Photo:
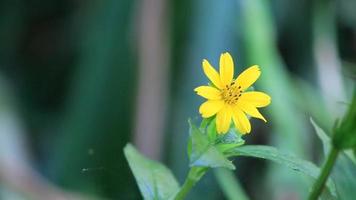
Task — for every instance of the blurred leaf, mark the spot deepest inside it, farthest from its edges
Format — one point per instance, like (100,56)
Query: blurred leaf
(344,136)
(344,174)
(98,105)
(352,156)
(154,179)
(327,142)
(259,31)
(344,171)
(230,185)
(311,102)
(203,153)
(322,136)
(288,160)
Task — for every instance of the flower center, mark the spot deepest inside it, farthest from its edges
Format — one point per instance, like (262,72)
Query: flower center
(231,93)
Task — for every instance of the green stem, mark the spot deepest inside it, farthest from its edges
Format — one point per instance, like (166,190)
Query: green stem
(187,186)
(193,177)
(323,177)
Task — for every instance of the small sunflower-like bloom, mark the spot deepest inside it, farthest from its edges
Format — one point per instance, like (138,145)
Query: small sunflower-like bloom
(227,98)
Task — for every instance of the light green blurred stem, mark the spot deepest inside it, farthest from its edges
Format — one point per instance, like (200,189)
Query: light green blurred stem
(260,42)
(288,124)
(326,55)
(230,185)
(323,177)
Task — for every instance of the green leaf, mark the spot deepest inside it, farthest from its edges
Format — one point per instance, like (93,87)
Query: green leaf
(325,139)
(154,180)
(228,141)
(189,148)
(288,160)
(204,123)
(231,137)
(211,131)
(203,153)
(344,170)
(344,136)
(344,174)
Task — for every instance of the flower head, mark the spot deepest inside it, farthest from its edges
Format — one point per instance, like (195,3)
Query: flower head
(228,99)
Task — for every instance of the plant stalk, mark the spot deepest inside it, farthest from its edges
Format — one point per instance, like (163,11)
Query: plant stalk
(323,177)
(194,175)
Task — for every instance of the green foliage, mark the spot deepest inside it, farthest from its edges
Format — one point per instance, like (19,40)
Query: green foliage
(211,131)
(223,142)
(288,160)
(345,168)
(344,174)
(205,154)
(95,117)
(230,185)
(154,179)
(345,134)
(271,153)
(258,26)
(326,141)
(228,141)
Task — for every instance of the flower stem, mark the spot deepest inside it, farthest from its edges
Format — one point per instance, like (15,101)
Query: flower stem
(187,186)
(194,175)
(323,177)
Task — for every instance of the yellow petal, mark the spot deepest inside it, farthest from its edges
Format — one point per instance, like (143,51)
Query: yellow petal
(248,77)
(223,119)
(212,74)
(250,110)
(257,99)
(208,92)
(241,121)
(226,68)
(210,108)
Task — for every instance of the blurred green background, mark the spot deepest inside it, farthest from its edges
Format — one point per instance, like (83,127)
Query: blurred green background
(80,79)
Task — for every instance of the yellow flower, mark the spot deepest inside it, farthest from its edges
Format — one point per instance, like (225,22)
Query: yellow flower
(227,98)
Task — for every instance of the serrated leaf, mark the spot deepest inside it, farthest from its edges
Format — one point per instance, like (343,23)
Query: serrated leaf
(154,180)
(203,153)
(288,160)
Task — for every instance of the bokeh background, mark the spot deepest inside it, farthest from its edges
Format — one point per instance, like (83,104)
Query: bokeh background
(80,79)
